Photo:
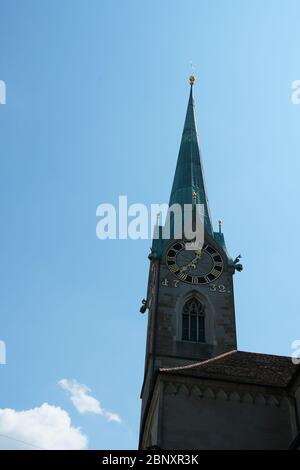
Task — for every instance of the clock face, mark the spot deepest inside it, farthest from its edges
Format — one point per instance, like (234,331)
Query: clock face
(194,266)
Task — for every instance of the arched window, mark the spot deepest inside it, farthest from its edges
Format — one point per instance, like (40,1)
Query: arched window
(193,321)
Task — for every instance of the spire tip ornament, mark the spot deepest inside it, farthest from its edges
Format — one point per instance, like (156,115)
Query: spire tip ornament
(192,79)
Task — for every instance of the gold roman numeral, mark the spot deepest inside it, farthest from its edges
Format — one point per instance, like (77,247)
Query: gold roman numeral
(182,276)
(174,268)
(215,272)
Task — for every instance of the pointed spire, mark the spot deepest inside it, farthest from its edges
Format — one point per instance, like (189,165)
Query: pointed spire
(189,185)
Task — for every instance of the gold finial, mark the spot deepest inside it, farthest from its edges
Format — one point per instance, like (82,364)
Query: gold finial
(220,226)
(194,194)
(192,77)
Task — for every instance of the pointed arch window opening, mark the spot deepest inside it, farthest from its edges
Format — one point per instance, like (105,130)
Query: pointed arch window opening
(193,321)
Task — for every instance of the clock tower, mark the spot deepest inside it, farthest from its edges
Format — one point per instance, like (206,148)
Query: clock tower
(190,293)
(198,390)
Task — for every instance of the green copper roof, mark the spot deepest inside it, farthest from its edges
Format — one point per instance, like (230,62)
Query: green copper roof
(188,185)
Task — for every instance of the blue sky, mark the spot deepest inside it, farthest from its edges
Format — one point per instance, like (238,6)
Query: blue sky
(96,97)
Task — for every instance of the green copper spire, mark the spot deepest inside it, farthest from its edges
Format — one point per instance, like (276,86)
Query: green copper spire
(188,185)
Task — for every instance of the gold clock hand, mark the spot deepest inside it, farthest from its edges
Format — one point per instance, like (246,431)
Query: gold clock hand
(193,263)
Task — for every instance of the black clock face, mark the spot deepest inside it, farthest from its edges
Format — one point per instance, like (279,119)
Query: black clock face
(194,266)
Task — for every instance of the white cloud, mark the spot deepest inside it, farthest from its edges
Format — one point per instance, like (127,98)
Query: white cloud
(46,427)
(80,397)
(112,416)
(84,402)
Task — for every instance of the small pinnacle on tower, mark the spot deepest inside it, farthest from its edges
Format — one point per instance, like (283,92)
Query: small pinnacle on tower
(220,226)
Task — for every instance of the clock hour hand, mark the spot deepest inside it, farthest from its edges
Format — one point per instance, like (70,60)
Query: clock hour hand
(192,264)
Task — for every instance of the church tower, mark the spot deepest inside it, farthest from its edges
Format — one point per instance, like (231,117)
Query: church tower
(190,293)
(191,320)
